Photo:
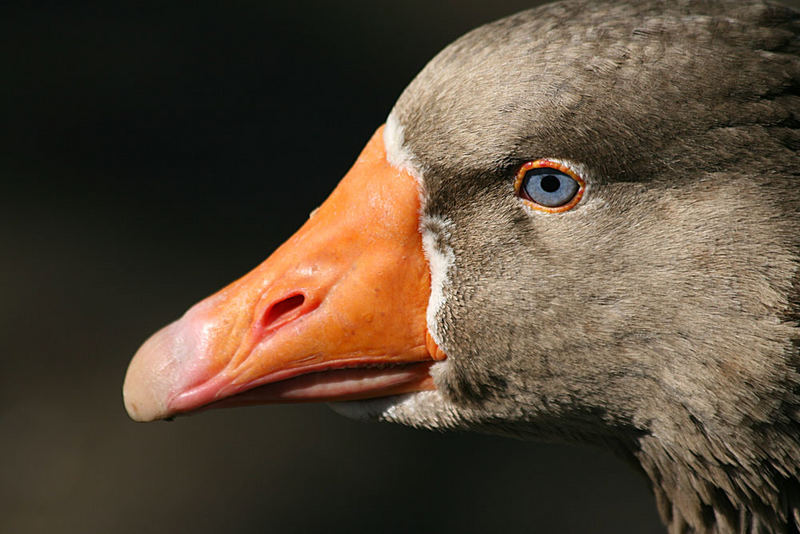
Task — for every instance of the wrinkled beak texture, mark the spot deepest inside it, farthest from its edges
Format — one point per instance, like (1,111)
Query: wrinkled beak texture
(348,290)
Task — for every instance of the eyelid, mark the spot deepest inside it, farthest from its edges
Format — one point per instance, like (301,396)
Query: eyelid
(539,163)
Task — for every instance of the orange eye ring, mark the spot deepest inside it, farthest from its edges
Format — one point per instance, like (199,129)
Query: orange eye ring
(548,163)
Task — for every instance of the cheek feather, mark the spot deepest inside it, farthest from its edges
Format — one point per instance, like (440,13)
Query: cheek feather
(441,261)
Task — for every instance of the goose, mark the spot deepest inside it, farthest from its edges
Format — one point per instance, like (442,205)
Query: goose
(579,223)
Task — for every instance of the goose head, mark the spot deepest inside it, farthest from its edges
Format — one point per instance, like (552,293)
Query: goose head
(580,222)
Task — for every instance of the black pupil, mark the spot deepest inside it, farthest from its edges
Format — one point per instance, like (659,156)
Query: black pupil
(550,183)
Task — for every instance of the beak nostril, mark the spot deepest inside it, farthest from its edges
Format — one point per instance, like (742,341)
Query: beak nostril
(281,310)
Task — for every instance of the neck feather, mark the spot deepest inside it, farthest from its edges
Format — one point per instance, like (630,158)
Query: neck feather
(706,487)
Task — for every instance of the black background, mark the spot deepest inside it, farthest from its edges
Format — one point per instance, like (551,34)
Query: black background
(151,152)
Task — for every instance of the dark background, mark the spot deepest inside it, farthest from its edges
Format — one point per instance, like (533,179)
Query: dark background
(151,152)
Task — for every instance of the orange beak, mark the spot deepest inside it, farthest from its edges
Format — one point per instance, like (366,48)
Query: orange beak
(336,313)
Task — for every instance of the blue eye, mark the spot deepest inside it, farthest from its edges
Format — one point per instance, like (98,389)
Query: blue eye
(548,187)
